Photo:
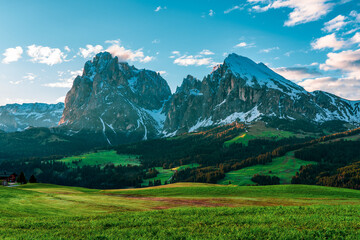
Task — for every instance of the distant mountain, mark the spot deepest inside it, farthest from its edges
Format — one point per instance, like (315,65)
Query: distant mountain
(17,117)
(116,101)
(239,89)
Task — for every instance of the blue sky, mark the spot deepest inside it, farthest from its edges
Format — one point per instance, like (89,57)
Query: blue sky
(44,44)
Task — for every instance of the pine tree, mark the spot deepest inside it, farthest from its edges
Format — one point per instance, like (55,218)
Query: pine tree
(21,178)
(32,179)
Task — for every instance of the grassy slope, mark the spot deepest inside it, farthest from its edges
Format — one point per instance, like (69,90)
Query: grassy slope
(283,167)
(166,174)
(259,130)
(163,175)
(40,211)
(102,158)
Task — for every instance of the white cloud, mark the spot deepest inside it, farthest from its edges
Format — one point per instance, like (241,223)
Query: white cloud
(30,77)
(297,73)
(66,79)
(90,50)
(174,54)
(335,24)
(46,55)
(163,73)
(198,60)
(356,38)
(67,48)
(345,61)
(355,15)
(348,88)
(303,11)
(155,41)
(127,54)
(160,8)
(267,50)
(328,41)
(244,45)
(206,52)
(211,13)
(12,54)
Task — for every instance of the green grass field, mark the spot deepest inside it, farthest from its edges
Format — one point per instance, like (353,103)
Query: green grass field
(192,165)
(180,211)
(166,174)
(283,167)
(163,175)
(102,158)
(259,130)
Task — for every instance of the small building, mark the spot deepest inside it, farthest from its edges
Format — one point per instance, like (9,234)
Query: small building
(5,176)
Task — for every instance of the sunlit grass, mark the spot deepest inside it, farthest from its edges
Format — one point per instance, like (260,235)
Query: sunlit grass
(102,158)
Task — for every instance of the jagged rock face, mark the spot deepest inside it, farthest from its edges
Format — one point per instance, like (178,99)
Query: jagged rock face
(17,117)
(115,100)
(242,90)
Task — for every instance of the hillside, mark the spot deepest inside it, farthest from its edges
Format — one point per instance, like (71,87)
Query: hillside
(214,211)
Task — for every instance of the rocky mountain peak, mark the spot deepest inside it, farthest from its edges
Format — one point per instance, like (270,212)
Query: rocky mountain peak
(115,100)
(189,83)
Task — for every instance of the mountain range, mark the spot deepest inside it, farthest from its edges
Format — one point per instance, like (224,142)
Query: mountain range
(114,102)
(18,117)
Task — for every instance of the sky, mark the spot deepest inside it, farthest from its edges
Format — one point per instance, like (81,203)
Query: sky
(45,44)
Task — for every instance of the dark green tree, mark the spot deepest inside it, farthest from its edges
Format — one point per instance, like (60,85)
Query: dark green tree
(32,179)
(21,178)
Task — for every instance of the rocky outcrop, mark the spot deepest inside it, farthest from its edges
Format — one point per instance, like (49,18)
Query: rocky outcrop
(117,102)
(17,117)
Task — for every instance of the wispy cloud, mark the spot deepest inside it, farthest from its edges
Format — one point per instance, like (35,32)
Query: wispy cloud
(211,13)
(297,74)
(65,80)
(189,60)
(335,24)
(303,11)
(29,77)
(162,73)
(12,55)
(159,8)
(244,45)
(233,8)
(267,50)
(206,52)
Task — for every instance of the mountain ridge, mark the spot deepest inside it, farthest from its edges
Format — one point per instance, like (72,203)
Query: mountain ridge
(18,117)
(120,103)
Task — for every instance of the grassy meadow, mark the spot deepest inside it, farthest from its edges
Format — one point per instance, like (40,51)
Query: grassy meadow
(180,211)
(283,167)
(259,130)
(101,158)
(166,174)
